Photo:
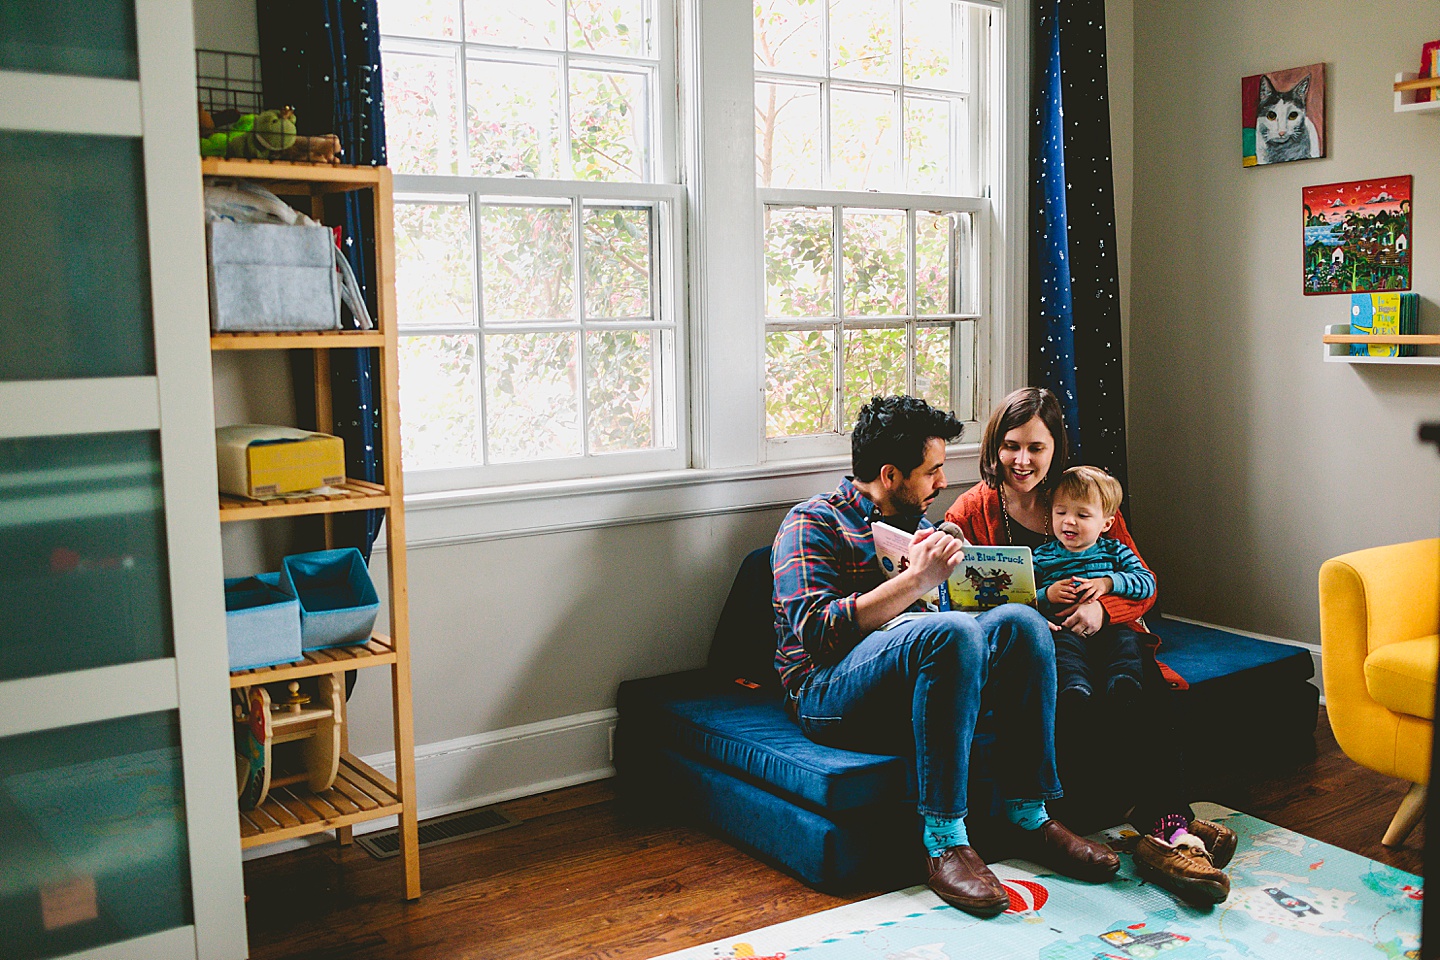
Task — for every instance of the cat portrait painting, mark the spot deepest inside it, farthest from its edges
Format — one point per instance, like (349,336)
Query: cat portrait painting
(1282,115)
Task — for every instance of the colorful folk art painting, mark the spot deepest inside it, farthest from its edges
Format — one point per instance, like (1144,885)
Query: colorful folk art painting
(1357,236)
(1282,115)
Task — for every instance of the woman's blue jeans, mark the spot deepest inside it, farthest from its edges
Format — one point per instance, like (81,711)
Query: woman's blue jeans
(940,671)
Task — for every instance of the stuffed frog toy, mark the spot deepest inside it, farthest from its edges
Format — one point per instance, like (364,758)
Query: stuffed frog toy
(260,136)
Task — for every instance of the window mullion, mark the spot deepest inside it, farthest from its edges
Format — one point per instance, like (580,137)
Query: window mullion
(582,373)
(479,378)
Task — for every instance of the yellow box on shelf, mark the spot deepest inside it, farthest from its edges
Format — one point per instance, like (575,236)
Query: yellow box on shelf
(258,460)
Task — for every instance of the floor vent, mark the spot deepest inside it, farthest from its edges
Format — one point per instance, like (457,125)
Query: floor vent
(384,844)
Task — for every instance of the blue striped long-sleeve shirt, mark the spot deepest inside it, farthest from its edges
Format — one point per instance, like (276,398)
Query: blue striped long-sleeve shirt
(823,560)
(1107,557)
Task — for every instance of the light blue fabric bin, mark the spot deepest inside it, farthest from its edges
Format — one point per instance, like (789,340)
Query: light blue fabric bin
(262,622)
(338,603)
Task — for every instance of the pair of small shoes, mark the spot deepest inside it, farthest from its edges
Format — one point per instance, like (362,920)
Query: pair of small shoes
(960,878)
(1185,868)
(1054,845)
(1220,840)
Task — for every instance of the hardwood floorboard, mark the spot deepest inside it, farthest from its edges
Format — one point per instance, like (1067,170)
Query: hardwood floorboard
(579,881)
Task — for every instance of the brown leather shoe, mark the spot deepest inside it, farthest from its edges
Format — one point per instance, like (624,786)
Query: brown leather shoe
(1184,869)
(1055,846)
(960,878)
(1219,840)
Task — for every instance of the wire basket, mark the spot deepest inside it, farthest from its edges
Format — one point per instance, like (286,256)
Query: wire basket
(228,86)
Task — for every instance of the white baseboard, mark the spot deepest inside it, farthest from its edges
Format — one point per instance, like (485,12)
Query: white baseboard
(1316,681)
(493,767)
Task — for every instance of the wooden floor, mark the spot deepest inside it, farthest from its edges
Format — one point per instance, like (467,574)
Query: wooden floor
(577,881)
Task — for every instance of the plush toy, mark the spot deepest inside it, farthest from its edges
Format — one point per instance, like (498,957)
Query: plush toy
(320,149)
(260,136)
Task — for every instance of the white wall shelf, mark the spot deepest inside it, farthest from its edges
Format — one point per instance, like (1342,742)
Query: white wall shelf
(1407,85)
(1337,340)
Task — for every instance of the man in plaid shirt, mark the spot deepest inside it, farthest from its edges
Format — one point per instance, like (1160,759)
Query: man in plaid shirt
(859,678)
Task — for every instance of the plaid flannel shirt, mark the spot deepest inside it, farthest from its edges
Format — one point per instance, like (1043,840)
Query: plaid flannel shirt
(823,560)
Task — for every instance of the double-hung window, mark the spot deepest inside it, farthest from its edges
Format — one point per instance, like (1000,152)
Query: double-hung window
(874,162)
(538,236)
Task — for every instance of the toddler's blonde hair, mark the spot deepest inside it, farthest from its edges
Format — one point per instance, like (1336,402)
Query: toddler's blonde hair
(1084,483)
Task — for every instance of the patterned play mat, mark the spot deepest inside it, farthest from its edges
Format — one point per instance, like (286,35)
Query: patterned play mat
(1291,898)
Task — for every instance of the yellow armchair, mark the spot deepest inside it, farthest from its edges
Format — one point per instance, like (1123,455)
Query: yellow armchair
(1379,613)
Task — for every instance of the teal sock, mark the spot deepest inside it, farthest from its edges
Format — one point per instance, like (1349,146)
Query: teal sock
(942,832)
(1026,814)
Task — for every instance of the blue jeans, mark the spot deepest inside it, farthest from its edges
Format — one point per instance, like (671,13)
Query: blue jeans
(936,671)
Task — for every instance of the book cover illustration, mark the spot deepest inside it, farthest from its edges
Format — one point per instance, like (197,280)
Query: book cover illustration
(985,578)
(1429,67)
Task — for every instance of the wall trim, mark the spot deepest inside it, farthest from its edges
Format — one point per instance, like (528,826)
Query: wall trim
(1318,680)
(508,512)
(492,767)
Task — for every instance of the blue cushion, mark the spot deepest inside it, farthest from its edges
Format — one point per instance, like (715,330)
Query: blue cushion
(1204,654)
(748,732)
(878,847)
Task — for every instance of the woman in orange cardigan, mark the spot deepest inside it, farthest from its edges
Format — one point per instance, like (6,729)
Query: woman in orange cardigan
(1022,455)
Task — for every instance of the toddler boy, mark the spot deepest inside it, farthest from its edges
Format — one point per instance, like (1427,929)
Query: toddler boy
(1081,565)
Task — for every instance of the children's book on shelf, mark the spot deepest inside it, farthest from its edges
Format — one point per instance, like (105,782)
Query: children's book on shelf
(985,578)
(1374,314)
(1429,67)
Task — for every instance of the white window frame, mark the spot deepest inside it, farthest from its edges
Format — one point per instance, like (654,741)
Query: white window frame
(723,286)
(985,98)
(662,193)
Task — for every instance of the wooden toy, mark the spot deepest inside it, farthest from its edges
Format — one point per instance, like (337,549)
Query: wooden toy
(290,738)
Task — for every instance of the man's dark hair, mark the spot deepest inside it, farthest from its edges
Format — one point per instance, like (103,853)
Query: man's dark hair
(895,430)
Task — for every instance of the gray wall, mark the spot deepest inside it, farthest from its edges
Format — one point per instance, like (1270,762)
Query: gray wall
(1252,460)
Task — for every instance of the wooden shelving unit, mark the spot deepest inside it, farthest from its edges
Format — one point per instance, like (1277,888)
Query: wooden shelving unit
(1338,338)
(1406,85)
(360,793)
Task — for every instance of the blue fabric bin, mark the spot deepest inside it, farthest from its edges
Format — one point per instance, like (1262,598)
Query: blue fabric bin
(262,622)
(338,603)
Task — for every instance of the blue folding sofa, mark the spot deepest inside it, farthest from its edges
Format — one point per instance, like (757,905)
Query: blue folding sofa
(715,747)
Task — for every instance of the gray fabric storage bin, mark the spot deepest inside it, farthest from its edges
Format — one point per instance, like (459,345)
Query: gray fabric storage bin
(267,276)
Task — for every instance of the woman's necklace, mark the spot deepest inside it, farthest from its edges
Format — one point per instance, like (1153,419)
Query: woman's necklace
(1005,513)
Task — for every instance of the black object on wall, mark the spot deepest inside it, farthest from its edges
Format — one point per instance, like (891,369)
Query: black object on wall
(1430,918)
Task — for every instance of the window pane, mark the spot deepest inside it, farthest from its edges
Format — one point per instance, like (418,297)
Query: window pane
(609,125)
(864,140)
(85,582)
(609,26)
(874,366)
(75,262)
(439,406)
(875,268)
(933,263)
(438,19)
(799,382)
(789,36)
(927,145)
(514,119)
(617,262)
(799,262)
(787,135)
(862,40)
(932,366)
(966,300)
(532,396)
(505,23)
(527,263)
(422,113)
(94,847)
(434,265)
(86,38)
(619,385)
(933,44)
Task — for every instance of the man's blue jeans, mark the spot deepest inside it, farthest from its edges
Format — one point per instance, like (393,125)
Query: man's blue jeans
(939,671)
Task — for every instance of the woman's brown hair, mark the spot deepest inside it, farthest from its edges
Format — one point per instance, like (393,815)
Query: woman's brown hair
(1016,410)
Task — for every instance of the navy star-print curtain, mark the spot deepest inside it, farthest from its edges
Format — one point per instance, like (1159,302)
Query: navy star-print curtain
(1074,284)
(322,57)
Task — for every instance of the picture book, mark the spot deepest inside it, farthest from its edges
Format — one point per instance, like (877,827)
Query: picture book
(985,578)
(1429,67)
(1373,314)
